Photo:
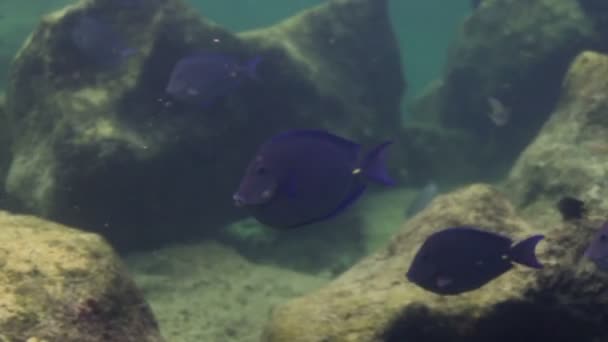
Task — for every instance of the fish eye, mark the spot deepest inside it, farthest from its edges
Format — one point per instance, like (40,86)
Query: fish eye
(603,238)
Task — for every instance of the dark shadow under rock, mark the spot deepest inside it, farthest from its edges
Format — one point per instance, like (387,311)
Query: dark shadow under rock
(533,320)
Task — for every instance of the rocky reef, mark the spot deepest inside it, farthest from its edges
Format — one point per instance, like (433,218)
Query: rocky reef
(61,284)
(96,148)
(514,52)
(373,302)
(568,157)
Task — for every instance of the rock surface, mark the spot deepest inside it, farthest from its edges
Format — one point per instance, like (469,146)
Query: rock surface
(60,284)
(208,292)
(373,302)
(568,157)
(97,149)
(516,52)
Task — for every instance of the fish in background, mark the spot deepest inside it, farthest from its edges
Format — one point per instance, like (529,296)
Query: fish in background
(422,200)
(499,113)
(571,208)
(475,3)
(597,251)
(96,41)
(300,177)
(461,259)
(203,77)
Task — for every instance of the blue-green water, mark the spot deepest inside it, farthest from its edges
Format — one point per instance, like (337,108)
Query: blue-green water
(424,29)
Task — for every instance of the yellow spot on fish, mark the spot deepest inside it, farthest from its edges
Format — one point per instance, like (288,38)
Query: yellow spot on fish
(356,171)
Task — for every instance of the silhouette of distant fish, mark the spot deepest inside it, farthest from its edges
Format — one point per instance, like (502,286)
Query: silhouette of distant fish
(499,114)
(422,200)
(461,259)
(304,176)
(475,3)
(571,208)
(98,42)
(598,248)
(203,77)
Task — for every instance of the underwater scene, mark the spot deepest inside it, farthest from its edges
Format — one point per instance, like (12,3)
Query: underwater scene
(304,171)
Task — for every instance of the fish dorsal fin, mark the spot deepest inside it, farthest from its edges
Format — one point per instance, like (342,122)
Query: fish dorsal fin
(318,134)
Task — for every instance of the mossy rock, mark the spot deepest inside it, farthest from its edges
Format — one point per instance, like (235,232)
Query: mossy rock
(516,52)
(95,148)
(60,284)
(568,157)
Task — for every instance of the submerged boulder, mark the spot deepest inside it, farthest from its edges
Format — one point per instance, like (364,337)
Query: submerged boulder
(373,301)
(569,155)
(103,149)
(515,53)
(60,284)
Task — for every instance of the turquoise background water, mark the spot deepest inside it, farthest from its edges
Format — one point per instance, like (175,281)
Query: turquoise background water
(424,28)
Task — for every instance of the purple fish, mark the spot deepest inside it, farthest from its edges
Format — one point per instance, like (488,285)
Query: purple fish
(598,248)
(462,259)
(304,176)
(98,42)
(202,78)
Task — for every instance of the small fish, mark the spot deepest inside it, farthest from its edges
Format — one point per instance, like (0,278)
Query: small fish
(598,248)
(304,176)
(202,78)
(571,208)
(98,42)
(422,200)
(461,259)
(499,114)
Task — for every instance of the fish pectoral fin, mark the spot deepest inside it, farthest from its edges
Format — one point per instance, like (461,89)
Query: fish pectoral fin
(443,281)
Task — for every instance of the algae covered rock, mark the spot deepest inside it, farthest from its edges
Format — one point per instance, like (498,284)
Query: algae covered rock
(60,284)
(105,150)
(568,157)
(373,301)
(516,53)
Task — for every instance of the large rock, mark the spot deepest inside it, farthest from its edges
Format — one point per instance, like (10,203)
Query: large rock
(60,284)
(97,149)
(516,52)
(373,301)
(568,158)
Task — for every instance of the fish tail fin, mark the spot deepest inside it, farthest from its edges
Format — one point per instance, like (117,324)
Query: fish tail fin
(373,166)
(251,68)
(524,252)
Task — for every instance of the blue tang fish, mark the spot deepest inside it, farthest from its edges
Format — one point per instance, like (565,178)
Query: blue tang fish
(98,42)
(304,176)
(203,77)
(461,259)
(598,248)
